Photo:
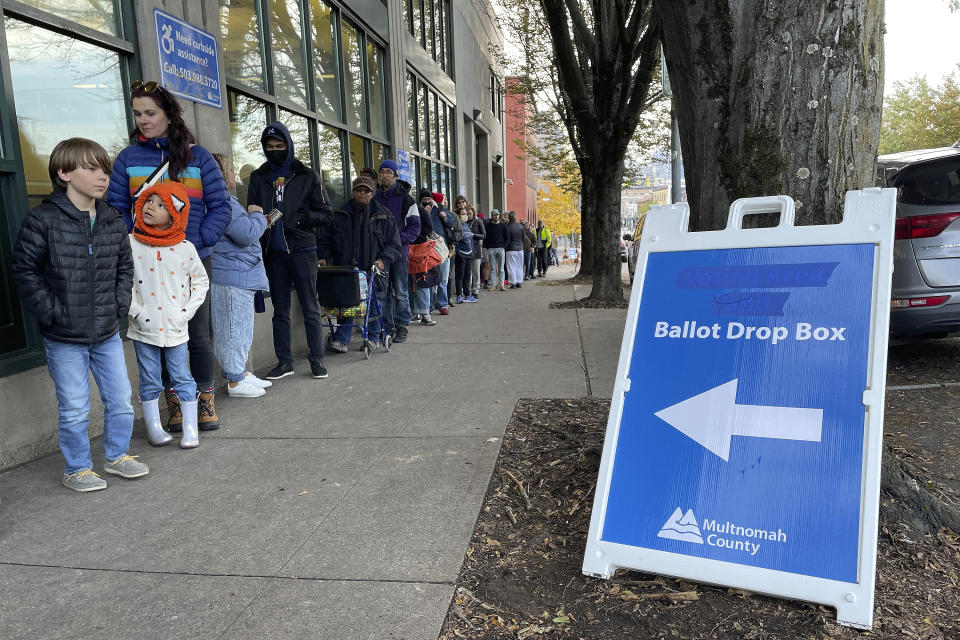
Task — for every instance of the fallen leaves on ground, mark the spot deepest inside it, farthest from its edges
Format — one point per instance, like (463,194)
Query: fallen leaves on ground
(522,579)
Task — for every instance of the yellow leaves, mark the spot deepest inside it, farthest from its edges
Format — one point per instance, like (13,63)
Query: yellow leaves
(558,210)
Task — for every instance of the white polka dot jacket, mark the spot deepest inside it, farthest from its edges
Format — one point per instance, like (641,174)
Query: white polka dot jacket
(169,285)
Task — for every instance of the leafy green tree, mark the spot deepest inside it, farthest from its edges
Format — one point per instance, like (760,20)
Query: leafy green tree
(918,116)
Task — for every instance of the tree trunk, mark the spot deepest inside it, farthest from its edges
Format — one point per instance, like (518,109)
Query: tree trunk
(775,98)
(588,208)
(607,283)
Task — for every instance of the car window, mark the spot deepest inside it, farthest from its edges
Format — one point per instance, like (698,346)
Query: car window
(930,183)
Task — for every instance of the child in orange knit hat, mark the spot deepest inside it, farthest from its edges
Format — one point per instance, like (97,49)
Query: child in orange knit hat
(169,285)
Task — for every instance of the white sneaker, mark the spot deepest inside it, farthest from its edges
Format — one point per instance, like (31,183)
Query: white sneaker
(245,389)
(249,377)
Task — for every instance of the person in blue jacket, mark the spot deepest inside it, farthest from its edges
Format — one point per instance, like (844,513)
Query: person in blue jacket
(394,195)
(161,136)
(238,273)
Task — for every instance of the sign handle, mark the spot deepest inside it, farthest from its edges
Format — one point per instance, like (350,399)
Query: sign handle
(767,204)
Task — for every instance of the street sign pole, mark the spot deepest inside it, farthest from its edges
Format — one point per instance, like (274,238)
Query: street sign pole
(745,430)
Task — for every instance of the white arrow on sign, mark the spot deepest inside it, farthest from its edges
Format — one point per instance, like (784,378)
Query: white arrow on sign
(713,417)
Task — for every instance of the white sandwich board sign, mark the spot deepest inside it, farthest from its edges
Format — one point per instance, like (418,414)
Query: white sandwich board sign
(745,430)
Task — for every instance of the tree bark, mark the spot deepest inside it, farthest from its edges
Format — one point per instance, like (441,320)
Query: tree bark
(775,98)
(587,233)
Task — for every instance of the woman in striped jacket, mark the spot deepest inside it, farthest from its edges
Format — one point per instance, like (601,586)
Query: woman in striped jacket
(161,136)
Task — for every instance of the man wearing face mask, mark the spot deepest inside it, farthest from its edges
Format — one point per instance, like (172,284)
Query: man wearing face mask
(292,197)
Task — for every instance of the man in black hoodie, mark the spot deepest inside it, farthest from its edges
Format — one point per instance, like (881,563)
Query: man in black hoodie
(285,187)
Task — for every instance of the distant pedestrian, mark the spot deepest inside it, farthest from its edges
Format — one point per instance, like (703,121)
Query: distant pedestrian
(497,239)
(238,273)
(170,284)
(395,196)
(478,229)
(294,196)
(463,260)
(74,271)
(514,251)
(528,241)
(420,300)
(443,223)
(542,248)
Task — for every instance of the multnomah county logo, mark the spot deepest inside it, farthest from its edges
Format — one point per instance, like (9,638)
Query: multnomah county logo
(681,526)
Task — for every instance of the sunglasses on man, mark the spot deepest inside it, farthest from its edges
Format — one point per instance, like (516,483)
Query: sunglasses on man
(146,87)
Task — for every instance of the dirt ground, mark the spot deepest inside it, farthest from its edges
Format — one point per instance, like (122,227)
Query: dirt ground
(522,574)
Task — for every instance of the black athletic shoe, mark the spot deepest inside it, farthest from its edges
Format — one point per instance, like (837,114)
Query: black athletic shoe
(401,336)
(318,370)
(282,370)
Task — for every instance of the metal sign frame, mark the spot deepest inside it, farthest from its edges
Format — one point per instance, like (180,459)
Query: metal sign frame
(869,217)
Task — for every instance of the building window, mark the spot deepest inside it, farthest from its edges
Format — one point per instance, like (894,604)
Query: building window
(241,37)
(286,38)
(248,119)
(66,81)
(327,83)
(429,135)
(326,60)
(428,21)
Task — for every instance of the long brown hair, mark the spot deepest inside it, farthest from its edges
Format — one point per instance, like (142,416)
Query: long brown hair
(179,136)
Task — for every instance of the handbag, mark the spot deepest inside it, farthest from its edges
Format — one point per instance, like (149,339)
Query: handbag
(422,257)
(440,246)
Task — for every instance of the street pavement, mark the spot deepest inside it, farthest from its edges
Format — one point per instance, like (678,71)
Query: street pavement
(337,508)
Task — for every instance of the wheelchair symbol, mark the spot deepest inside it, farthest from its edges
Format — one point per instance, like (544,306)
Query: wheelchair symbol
(166,41)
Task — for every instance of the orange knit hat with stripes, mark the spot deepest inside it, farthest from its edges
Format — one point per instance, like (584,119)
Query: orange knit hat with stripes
(175,199)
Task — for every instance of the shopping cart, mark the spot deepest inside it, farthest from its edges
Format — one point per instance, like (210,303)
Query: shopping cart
(346,295)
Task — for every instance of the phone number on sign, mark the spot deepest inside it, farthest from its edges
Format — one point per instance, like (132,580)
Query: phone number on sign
(191,76)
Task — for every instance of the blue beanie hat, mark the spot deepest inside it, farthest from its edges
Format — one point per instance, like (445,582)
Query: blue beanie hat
(389,164)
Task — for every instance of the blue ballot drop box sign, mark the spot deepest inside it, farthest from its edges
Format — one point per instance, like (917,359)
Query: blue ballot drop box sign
(743,442)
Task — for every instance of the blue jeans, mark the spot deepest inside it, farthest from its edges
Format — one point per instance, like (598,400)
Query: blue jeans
(441,289)
(297,270)
(178,367)
(70,366)
(396,302)
(232,315)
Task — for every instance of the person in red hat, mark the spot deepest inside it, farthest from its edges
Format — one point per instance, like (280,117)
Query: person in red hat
(169,285)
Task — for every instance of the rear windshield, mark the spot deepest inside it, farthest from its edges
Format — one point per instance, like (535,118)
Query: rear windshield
(930,183)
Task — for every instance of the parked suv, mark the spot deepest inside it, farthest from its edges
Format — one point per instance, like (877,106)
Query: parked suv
(926,256)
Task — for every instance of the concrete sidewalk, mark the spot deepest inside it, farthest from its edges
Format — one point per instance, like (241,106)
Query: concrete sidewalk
(336,508)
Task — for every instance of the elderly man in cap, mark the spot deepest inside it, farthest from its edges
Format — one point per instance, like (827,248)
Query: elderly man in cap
(394,195)
(361,234)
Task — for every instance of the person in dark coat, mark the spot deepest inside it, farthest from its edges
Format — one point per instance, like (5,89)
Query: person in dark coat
(496,241)
(394,194)
(286,186)
(361,234)
(514,251)
(74,269)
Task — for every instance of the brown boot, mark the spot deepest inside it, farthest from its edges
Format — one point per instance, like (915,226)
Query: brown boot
(207,414)
(174,415)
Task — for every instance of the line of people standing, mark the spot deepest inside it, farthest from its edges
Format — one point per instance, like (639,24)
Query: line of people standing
(157,237)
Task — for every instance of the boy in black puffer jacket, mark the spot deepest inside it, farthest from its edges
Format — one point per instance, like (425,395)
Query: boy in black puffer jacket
(74,271)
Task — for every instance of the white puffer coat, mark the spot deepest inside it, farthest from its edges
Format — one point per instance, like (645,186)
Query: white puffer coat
(169,285)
